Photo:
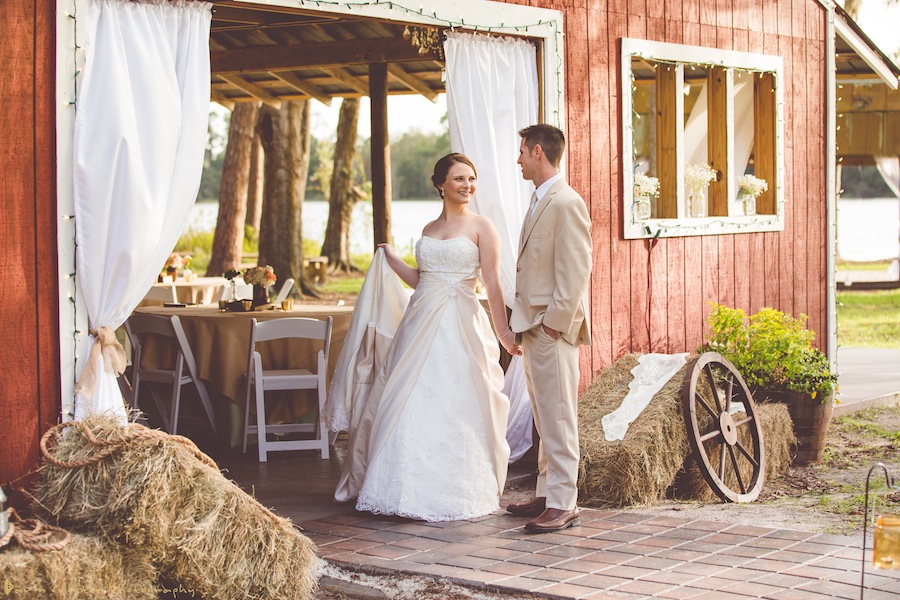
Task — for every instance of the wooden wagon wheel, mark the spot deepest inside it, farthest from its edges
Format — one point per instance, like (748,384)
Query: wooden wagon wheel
(728,448)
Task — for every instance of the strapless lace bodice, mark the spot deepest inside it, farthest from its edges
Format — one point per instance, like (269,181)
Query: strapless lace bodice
(457,257)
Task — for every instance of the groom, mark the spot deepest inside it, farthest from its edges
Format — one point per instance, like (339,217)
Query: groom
(549,315)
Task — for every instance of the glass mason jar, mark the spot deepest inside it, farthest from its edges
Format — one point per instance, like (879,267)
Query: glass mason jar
(747,202)
(642,208)
(697,204)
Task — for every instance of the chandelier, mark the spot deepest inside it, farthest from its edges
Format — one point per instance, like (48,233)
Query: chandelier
(427,40)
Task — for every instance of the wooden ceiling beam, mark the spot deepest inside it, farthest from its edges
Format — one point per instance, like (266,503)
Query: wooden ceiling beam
(329,54)
(254,90)
(397,72)
(302,86)
(349,79)
(217,97)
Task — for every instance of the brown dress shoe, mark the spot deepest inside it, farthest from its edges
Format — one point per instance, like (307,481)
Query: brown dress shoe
(553,519)
(532,508)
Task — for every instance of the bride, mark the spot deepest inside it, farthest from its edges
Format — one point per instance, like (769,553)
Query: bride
(428,442)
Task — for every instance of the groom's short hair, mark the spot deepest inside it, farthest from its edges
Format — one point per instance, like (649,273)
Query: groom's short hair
(551,140)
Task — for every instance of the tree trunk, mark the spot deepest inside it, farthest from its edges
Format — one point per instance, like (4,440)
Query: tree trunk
(255,187)
(229,235)
(343,196)
(285,138)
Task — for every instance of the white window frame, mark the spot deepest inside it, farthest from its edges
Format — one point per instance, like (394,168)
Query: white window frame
(687,226)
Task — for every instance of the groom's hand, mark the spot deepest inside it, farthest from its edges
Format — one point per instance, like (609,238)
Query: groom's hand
(551,332)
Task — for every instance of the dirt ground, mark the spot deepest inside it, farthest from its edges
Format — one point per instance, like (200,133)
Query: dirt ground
(824,498)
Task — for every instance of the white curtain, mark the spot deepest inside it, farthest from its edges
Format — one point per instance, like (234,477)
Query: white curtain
(139,137)
(889,168)
(492,93)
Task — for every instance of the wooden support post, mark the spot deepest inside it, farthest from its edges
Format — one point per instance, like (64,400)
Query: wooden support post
(381,154)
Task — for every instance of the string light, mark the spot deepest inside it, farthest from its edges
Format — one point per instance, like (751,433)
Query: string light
(68,406)
(459,22)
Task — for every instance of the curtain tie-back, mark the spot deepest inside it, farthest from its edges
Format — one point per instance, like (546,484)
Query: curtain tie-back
(113,355)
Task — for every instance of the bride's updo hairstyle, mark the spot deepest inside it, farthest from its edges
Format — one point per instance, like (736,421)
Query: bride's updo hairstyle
(443,166)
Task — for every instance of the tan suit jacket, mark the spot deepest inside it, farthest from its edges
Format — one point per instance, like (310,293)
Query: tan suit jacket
(554,267)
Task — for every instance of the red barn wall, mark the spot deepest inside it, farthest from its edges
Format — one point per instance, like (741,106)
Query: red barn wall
(29,326)
(656,300)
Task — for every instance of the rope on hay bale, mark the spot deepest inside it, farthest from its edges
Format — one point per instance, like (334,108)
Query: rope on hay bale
(639,468)
(778,439)
(44,561)
(159,494)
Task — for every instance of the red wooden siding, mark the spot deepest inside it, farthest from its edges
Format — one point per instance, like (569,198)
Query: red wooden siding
(657,300)
(28,313)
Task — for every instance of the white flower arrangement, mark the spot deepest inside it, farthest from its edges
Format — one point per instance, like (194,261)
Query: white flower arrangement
(698,177)
(752,185)
(646,186)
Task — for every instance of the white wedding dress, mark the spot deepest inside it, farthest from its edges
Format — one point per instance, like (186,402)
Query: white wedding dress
(428,442)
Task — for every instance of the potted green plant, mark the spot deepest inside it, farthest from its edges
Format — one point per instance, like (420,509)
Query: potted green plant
(774,353)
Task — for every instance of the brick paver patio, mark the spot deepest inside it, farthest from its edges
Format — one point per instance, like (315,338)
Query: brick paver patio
(611,555)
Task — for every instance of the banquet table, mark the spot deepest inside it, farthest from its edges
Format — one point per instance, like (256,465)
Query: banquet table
(199,290)
(221,344)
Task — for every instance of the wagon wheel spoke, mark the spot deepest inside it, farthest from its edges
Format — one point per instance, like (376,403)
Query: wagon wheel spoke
(711,380)
(722,462)
(729,392)
(749,419)
(706,407)
(747,455)
(737,470)
(711,435)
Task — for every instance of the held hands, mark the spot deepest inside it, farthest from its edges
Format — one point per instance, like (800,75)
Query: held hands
(508,341)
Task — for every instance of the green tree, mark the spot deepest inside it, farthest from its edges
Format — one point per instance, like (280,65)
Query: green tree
(412,160)
(321,161)
(214,157)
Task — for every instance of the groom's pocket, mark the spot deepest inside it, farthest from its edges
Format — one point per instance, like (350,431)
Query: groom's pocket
(539,300)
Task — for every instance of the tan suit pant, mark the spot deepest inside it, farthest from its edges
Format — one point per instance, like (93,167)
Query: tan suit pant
(551,370)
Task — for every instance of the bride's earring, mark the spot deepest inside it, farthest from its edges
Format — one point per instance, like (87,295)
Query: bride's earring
(441,192)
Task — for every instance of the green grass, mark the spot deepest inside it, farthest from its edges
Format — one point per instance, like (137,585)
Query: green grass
(869,319)
(882,265)
(344,285)
(865,422)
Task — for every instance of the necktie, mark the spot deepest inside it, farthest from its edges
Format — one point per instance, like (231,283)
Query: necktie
(531,207)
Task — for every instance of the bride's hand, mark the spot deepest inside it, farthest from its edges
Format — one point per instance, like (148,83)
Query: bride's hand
(511,346)
(388,250)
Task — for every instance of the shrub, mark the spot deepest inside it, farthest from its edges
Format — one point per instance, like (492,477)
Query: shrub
(772,350)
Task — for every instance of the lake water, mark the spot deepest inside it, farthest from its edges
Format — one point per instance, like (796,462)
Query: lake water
(868,230)
(408,217)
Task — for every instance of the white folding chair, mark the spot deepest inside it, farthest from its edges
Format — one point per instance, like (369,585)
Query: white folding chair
(166,330)
(243,291)
(260,379)
(161,293)
(285,290)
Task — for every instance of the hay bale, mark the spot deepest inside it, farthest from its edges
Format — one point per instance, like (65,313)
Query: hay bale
(778,439)
(639,468)
(84,569)
(157,493)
